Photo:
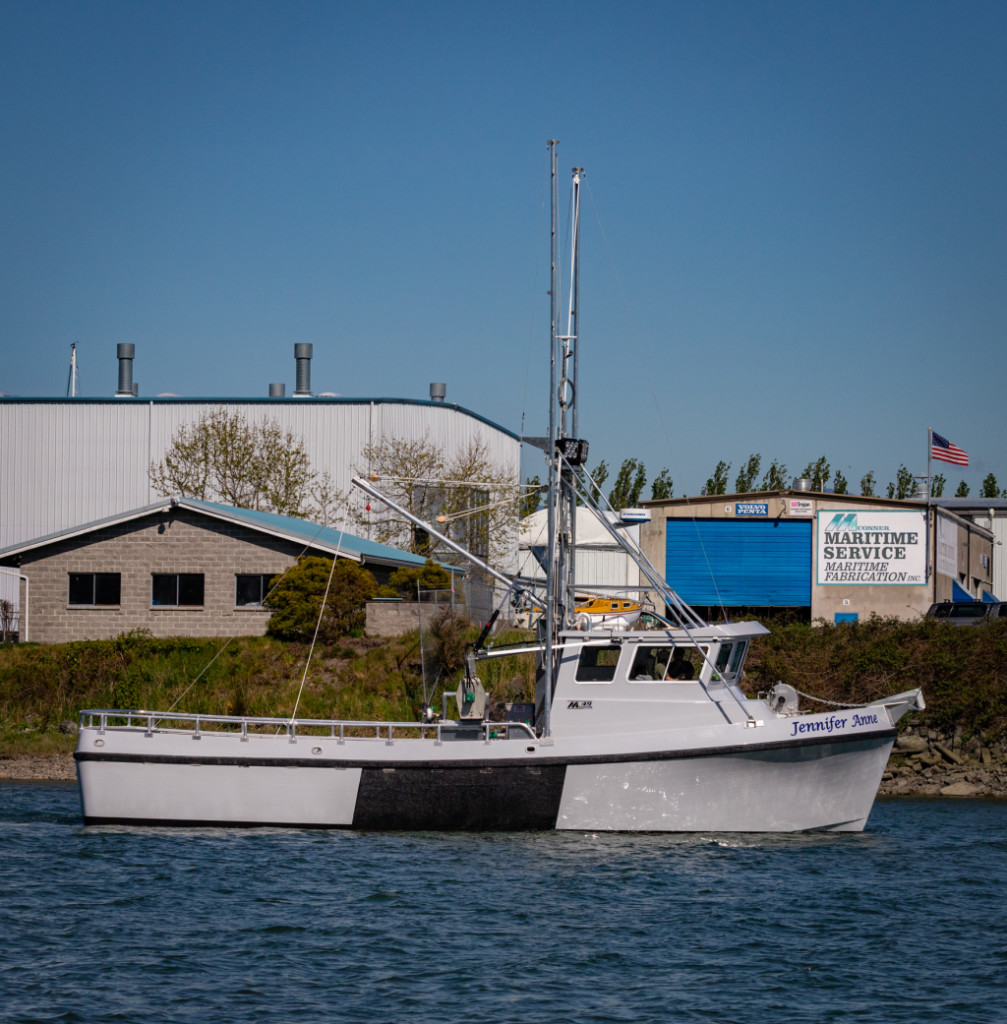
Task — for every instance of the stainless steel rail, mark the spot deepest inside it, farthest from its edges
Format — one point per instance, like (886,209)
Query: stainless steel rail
(107,719)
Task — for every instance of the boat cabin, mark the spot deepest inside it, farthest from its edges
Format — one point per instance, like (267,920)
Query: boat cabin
(638,679)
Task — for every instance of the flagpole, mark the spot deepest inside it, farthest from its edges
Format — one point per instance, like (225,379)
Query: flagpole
(930,453)
(930,498)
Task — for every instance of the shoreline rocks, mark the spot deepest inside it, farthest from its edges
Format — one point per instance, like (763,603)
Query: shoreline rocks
(39,768)
(928,763)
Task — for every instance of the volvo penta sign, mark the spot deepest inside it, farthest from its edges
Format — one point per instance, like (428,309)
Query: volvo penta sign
(868,547)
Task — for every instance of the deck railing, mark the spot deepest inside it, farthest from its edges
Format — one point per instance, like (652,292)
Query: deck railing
(149,722)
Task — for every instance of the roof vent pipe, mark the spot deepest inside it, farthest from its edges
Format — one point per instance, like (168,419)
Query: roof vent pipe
(803,484)
(277,390)
(124,353)
(437,392)
(302,354)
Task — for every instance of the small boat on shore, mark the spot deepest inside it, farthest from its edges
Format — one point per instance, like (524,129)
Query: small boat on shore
(632,729)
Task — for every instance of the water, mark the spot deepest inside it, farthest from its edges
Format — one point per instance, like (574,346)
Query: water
(905,922)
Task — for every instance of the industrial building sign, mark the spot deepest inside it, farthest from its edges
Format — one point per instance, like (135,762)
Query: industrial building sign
(751,508)
(871,547)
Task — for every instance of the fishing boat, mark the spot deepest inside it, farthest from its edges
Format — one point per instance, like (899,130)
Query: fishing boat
(631,729)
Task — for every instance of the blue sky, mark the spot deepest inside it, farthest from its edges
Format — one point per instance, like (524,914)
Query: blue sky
(794,226)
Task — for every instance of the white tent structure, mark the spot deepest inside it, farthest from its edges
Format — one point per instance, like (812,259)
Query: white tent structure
(599,562)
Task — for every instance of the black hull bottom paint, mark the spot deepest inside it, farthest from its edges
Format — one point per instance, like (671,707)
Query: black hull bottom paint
(460,799)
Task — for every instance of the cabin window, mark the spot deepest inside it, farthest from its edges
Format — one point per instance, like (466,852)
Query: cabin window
(597,664)
(94,589)
(177,589)
(737,657)
(723,657)
(250,589)
(686,663)
(649,663)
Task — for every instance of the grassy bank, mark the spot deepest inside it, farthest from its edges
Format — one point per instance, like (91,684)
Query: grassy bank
(963,673)
(42,686)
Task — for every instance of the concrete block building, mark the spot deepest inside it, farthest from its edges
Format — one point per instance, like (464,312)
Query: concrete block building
(177,568)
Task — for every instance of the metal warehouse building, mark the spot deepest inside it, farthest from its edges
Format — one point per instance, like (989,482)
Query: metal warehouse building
(76,460)
(69,461)
(834,557)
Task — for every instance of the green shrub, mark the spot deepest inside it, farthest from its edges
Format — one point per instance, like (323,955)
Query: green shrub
(297,600)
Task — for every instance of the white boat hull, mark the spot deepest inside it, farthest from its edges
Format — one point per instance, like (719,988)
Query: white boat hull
(759,782)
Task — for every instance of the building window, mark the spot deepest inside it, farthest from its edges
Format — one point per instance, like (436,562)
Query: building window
(250,589)
(94,589)
(177,590)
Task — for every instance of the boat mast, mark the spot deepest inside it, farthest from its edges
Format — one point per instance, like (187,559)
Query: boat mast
(566,397)
(548,666)
(71,383)
(565,450)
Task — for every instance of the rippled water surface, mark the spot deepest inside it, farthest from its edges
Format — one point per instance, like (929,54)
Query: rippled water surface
(906,922)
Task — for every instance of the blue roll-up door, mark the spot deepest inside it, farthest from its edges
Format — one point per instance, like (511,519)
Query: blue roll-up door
(730,562)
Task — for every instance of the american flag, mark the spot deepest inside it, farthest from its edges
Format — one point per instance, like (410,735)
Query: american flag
(941,448)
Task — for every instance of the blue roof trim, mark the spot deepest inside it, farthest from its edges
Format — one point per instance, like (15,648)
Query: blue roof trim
(288,400)
(311,533)
(294,529)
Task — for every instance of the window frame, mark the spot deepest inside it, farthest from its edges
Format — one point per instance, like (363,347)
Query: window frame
(263,578)
(178,577)
(605,678)
(94,602)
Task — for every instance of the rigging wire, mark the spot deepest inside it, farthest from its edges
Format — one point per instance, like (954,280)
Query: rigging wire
(543,206)
(314,639)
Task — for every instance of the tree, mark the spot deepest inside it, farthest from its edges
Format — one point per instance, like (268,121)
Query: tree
(867,482)
(775,478)
(839,484)
(599,475)
(429,576)
(532,497)
(468,498)
(990,487)
(225,458)
(662,486)
(748,474)
(297,599)
(818,473)
(937,485)
(963,490)
(628,485)
(717,484)
(904,486)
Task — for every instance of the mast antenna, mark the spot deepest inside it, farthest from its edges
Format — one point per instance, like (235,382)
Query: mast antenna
(71,381)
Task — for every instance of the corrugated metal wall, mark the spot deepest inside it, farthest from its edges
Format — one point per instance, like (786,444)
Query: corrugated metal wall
(732,562)
(68,462)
